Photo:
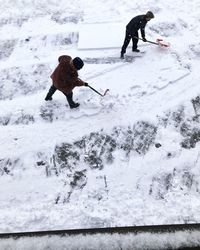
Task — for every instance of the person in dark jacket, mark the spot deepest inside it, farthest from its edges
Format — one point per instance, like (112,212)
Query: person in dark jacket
(65,78)
(138,22)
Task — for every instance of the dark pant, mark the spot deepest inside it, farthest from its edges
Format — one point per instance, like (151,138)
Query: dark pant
(50,93)
(70,99)
(53,89)
(127,39)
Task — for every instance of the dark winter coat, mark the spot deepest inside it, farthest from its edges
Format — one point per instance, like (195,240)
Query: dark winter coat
(138,22)
(65,76)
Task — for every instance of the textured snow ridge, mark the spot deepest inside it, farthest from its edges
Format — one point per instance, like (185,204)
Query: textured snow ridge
(114,241)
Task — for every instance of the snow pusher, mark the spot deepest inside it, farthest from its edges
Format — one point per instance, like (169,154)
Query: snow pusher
(159,42)
(97,91)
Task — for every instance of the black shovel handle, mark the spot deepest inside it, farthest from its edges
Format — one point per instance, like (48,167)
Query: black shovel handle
(146,40)
(98,91)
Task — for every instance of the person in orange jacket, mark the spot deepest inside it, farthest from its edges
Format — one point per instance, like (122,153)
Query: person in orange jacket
(65,78)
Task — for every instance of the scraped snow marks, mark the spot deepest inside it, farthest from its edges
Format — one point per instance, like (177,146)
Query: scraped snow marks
(7,166)
(72,161)
(173,117)
(52,111)
(16,81)
(99,149)
(186,125)
(138,138)
(59,110)
(165,79)
(165,28)
(6,48)
(109,59)
(195,48)
(161,185)
(17,117)
(96,149)
(178,116)
(21,118)
(4,120)
(144,136)
(192,138)
(183,23)
(62,18)
(66,162)
(13,20)
(66,39)
(77,182)
(196,105)
(41,44)
(96,221)
(66,156)
(170,183)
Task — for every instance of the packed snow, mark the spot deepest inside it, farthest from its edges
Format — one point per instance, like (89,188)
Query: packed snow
(129,158)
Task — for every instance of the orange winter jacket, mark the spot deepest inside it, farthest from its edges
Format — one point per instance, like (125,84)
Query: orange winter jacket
(65,76)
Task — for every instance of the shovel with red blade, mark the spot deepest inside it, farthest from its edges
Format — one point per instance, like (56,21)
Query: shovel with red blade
(97,91)
(159,42)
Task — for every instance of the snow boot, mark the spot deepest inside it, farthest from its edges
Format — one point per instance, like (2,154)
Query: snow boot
(135,50)
(122,55)
(72,104)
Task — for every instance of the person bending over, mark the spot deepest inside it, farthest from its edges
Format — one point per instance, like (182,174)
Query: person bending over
(65,78)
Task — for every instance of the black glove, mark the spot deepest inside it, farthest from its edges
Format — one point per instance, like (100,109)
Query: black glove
(144,39)
(86,84)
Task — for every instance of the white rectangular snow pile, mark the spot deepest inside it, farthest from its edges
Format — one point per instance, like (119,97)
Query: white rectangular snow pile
(101,35)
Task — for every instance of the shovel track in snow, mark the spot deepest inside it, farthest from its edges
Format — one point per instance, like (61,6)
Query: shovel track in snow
(110,59)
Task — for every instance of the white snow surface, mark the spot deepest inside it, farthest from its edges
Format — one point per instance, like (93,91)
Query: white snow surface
(155,186)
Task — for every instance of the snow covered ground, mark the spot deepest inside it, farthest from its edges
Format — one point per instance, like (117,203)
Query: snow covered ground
(99,165)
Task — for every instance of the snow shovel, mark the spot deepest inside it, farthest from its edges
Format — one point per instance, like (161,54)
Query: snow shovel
(97,91)
(159,42)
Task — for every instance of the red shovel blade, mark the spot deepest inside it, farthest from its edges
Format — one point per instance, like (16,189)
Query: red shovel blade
(163,43)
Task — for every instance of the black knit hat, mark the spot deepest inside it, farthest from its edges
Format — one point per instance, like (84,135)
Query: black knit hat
(78,63)
(149,14)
